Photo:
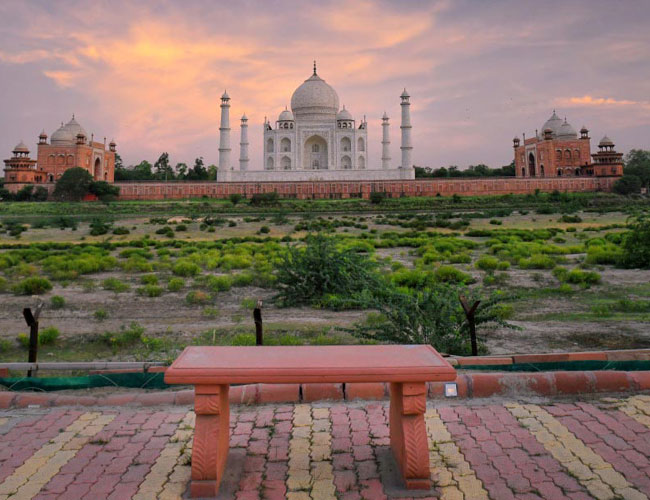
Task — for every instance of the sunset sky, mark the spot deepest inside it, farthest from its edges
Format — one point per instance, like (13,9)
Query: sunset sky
(150,73)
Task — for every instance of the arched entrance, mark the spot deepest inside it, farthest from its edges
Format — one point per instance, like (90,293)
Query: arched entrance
(98,169)
(531,164)
(315,153)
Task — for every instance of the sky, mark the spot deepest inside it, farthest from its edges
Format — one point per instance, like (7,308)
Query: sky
(150,73)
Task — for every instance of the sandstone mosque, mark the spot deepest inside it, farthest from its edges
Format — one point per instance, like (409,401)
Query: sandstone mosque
(317,140)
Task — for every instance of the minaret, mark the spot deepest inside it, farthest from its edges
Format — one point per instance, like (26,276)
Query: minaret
(406,146)
(385,142)
(243,144)
(224,133)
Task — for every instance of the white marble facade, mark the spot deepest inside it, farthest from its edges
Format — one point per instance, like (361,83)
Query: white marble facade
(315,140)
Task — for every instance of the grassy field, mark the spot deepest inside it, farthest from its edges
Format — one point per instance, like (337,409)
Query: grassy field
(139,281)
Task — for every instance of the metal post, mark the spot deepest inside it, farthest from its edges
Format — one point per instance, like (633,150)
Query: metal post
(259,327)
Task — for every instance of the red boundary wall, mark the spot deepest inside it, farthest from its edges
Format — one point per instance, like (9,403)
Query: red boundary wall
(362,189)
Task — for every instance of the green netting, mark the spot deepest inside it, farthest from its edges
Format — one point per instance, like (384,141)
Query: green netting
(45,384)
(588,365)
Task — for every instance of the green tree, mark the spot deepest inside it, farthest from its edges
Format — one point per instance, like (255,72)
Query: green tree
(73,185)
(181,170)
(636,244)
(198,172)
(104,191)
(163,169)
(628,184)
(637,162)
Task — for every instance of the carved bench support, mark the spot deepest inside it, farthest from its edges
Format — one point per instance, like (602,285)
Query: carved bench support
(211,439)
(408,434)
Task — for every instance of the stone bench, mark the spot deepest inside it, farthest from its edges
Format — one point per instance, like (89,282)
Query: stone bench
(213,369)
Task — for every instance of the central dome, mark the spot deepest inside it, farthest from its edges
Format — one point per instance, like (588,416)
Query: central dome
(315,100)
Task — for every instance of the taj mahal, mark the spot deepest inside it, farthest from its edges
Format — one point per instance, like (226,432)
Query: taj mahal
(315,140)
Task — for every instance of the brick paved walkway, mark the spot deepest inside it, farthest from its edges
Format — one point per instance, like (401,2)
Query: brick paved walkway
(599,449)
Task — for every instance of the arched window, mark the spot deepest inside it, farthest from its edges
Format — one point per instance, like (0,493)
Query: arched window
(285,163)
(269,163)
(531,164)
(346,144)
(559,172)
(285,145)
(523,172)
(315,148)
(361,162)
(315,164)
(558,154)
(361,145)
(269,146)
(567,154)
(346,162)
(541,170)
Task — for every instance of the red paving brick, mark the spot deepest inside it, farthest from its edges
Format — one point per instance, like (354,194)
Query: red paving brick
(506,458)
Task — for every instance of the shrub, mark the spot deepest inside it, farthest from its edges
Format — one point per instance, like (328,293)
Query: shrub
(503,265)
(235,198)
(175,284)
(538,261)
(265,230)
(34,285)
(151,290)
(570,219)
(149,279)
(376,197)
(99,227)
(636,244)
(580,277)
(449,274)
(495,222)
(57,302)
(185,268)
(100,314)
(487,263)
(248,303)
(5,345)
(48,335)
(264,199)
(121,230)
(126,337)
(243,339)
(181,227)
(115,285)
(628,184)
(219,283)
(197,297)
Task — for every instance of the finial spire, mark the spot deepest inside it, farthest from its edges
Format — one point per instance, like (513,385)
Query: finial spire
(314,66)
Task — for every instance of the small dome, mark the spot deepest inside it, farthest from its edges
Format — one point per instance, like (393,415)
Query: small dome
(385,116)
(314,99)
(515,139)
(112,143)
(42,135)
(567,131)
(21,147)
(344,114)
(554,123)
(286,116)
(225,95)
(74,128)
(584,130)
(62,137)
(244,118)
(405,93)
(606,141)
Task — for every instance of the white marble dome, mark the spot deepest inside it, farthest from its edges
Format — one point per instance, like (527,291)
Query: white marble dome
(554,123)
(286,115)
(74,128)
(314,99)
(344,114)
(567,131)
(62,136)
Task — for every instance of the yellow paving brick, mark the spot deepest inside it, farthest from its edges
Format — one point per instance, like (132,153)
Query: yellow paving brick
(298,480)
(169,474)
(301,432)
(589,468)
(321,470)
(323,489)
(321,452)
(298,495)
(323,438)
(299,461)
(453,473)
(28,479)
(320,413)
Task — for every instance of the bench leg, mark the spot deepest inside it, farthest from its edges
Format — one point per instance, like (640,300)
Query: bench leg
(211,439)
(408,434)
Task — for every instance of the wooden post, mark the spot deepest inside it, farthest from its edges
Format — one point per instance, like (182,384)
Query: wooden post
(259,327)
(471,321)
(32,321)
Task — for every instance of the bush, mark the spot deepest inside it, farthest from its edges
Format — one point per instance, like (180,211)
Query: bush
(181,227)
(99,227)
(34,285)
(175,284)
(149,279)
(197,297)
(487,263)
(449,274)
(5,345)
(265,230)
(219,283)
(57,302)
(243,339)
(306,275)
(570,219)
(636,244)
(115,285)
(151,290)
(126,337)
(100,314)
(376,197)
(235,198)
(538,261)
(185,268)
(48,335)
(121,230)
(580,277)
(628,184)
(264,199)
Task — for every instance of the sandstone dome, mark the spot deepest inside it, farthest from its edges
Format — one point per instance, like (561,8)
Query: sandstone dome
(315,100)
(21,147)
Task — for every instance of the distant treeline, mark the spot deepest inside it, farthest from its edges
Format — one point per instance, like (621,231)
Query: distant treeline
(479,170)
(162,170)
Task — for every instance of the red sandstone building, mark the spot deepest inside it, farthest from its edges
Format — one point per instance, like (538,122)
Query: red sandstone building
(69,147)
(559,152)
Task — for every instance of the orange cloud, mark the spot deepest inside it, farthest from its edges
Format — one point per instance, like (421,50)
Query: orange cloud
(588,100)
